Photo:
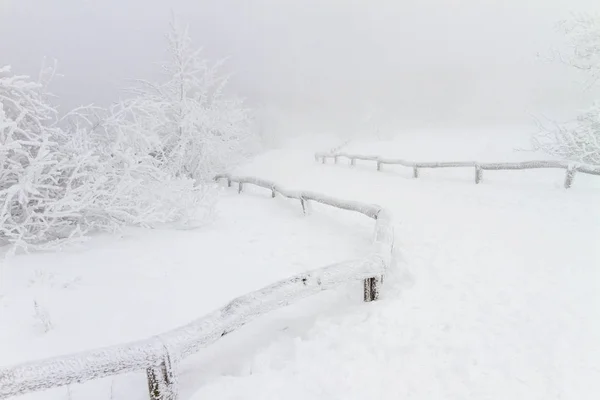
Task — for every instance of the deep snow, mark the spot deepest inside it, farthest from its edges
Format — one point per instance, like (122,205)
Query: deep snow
(495,294)
(115,289)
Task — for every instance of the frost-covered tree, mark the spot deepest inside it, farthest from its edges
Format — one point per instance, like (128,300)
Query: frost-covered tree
(136,190)
(577,140)
(145,161)
(582,33)
(196,129)
(34,170)
(60,178)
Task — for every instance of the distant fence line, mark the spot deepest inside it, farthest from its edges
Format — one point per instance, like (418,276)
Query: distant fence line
(570,167)
(159,355)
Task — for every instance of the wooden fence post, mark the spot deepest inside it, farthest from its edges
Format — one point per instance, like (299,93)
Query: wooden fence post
(478,173)
(304,204)
(415,172)
(371,288)
(570,174)
(162,384)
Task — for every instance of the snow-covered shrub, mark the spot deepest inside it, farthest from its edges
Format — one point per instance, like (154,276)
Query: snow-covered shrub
(196,130)
(57,183)
(35,172)
(137,190)
(577,140)
(148,160)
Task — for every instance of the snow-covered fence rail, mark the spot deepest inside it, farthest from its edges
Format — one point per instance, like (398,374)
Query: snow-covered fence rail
(571,168)
(160,355)
(383,226)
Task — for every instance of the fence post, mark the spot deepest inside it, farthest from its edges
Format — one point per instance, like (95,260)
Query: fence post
(371,288)
(161,381)
(478,173)
(240,187)
(304,204)
(228,182)
(415,172)
(570,174)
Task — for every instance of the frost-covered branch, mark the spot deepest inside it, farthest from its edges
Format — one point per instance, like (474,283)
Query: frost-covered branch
(582,33)
(577,140)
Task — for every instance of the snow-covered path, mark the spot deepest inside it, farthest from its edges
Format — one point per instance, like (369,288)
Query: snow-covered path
(496,294)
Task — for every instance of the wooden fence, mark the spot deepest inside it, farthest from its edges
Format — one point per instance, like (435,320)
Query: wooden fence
(160,355)
(479,167)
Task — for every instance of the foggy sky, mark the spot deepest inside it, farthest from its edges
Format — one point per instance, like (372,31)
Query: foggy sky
(414,62)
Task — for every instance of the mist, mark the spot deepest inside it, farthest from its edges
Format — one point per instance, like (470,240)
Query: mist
(330,65)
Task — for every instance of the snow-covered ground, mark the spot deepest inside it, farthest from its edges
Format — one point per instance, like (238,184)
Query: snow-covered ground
(496,294)
(115,289)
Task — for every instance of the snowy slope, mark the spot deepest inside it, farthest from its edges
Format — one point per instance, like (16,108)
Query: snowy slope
(115,289)
(496,295)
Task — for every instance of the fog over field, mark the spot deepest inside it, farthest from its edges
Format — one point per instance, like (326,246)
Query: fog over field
(330,63)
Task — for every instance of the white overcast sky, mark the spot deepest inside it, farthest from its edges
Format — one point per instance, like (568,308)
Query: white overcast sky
(413,60)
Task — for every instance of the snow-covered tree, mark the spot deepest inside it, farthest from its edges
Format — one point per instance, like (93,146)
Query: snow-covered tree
(60,178)
(145,161)
(34,170)
(135,189)
(582,33)
(577,140)
(196,129)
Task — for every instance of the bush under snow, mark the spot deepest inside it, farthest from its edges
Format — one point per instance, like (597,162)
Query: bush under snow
(145,161)
(577,140)
(56,184)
